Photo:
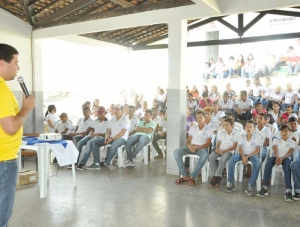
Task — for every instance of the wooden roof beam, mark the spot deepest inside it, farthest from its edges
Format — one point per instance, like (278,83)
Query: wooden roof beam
(24,6)
(123,3)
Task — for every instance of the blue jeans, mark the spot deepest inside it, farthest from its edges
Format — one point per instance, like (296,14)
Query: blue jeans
(81,143)
(255,99)
(93,145)
(296,108)
(112,151)
(296,176)
(264,101)
(245,74)
(255,170)
(263,154)
(180,152)
(140,141)
(283,106)
(286,164)
(294,69)
(8,183)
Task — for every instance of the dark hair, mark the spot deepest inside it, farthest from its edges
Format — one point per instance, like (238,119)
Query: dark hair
(291,48)
(242,60)
(190,94)
(200,112)
(86,108)
(7,52)
(271,118)
(288,106)
(224,117)
(292,119)
(229,120)
(231,57)
(229,114)
(284,127)
(215,103)
(206,88)
(264,115)
(49,109)
(137,104)
(94,103)
(153,109)
(205,94)
(86,104)
(248,81)
(148,111)
(225,93)
(131,107)
(258,103)
(209,64)
(251,56)
(243,92)
(276,104)
(250,122)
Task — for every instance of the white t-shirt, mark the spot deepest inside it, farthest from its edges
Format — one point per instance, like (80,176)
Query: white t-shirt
(163,125)
(267,90)
(265,130)
(156,120)
(199,137)
(83,125)
(249,146)
(227,140)
(298,94)
(139,113)
(61,126)
(191,104)
(109,116)
(289,97)
(275,96)
(228,105)
(275,116)
(100,127)
(50,117)
(214,124)
(256,90)
(160,97)
(117,126)
(218,116)
(133,123)
(283,146)
(244,105)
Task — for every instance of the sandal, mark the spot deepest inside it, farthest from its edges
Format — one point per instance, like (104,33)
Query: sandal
(180,180)
(192,182)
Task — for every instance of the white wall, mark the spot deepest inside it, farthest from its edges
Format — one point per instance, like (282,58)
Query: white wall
(17,33)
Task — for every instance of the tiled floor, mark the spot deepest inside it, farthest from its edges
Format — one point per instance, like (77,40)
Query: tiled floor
(146,196)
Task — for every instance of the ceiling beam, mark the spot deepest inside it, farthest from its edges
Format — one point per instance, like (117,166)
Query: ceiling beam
(32,2)
(66,11)
(143,32)
(123,3)
(115,13)
(45,7)
(103,5)
(226,41)
(283,13)
(253,22)
(25,8)
(228,25)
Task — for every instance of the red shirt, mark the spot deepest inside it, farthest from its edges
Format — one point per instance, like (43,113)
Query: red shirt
(203,104)
(285,116)
(254,112)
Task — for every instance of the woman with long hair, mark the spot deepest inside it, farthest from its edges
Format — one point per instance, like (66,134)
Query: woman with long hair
(50,118)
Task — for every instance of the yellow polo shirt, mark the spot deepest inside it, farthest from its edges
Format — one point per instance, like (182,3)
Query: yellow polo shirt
(9,144)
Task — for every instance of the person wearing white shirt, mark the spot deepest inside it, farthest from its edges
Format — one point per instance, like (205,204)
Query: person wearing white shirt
(225,104)
(261,128)
(283,150)
(95,137)
(248,146)
(276,113)
(134,120)
(243,107)
(117,133)
(138,110)
(226,145)
(191,104)
(297,101)
(289,97)
(199,139)
(293,123)
(155,117)
(50,118)
(256,91)
(275,96)
(161,98)
(111,112)
(161,133)
(64,126)
(216,113)
(266,92)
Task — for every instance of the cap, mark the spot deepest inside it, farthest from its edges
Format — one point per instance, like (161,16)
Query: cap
(100,110)
(118,106)
(63,115)
(293,115)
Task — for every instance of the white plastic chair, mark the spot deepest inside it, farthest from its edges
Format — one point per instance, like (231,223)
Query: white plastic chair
(144,151)
(120,154)
(162,143)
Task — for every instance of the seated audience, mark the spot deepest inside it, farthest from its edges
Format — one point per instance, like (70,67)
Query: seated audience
(155,117)
(270,123)
(226,145)
(216,113)
(231,92)
(205,101)
(276,113)
(214,95)
(50,118)
(275,96)
(239,65)
(134,120)
(258,110)
(161,98)
(126,110)
(293,61)
(161,133)
(206,71)
(111,112)
(64,126)
(243,107)
(195,93)
(141,137)
(288,97)
(199,139)
(266,92)
(296,178)
(248,147)
(261,128)
(138,110)
(297,101)
(225,104)
(286,114)
(248,70)
(248,88)
(283,149)
(231,67)
(256,91)
(190,120)
(191,104)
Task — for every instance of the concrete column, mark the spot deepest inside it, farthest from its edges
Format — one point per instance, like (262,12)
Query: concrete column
(37,87)
(176,116)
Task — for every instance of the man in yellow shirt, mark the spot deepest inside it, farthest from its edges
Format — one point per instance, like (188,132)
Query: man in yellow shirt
(11,130)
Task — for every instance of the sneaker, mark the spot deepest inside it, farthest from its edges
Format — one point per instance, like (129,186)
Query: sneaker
(296,196)
(80,167)
(262,193)
(94,167)
(288,197)
(102,164)
(230,188)
(130,164)
(218,181)
(250,191)
(70,166)
(213,181)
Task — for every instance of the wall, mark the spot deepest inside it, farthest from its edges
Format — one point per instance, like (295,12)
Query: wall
(15,32)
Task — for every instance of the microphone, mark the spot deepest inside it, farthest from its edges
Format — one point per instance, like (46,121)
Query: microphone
(23,86)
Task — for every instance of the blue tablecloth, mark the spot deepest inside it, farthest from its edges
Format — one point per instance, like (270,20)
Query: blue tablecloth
(31,140)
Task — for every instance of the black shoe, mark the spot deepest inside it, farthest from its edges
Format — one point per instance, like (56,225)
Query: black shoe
(288,197)
(218,181)
(213,181)
(80,167)
(54,162)
(230,188)
(296,196)
(70,166)
(262,193)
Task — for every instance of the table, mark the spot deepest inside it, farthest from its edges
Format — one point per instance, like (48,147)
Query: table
(43,154)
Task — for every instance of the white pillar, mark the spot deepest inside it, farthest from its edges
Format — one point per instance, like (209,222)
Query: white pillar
(176,117)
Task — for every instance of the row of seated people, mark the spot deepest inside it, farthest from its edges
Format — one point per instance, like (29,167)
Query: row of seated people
(119,131)
(250,68)
(234,146)
(264,94)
